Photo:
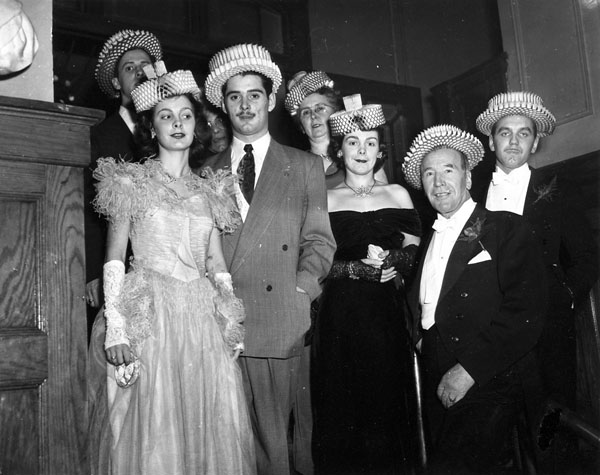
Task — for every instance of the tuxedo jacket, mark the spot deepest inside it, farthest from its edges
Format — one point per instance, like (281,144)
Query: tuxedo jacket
(110,138)
(285,242)
(490,313)
(569,250)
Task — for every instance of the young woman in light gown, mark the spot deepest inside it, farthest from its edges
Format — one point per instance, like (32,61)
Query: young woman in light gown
(165,390)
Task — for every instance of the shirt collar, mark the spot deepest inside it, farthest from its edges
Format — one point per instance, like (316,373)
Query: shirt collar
(259,146)
(459,219)
(518,175)
(127,117)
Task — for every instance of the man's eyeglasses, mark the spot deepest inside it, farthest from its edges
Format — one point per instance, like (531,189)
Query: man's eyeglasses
(317,109)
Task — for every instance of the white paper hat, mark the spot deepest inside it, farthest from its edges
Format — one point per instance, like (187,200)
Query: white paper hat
(516,103)
(356,116)
(115,47)
(162,85)
(433,138)
(235,60)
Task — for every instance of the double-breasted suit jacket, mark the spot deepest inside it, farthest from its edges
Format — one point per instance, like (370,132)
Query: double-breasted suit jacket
(285,242)
(489,313)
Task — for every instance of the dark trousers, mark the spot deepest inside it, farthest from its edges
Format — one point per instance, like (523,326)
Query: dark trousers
(474,435)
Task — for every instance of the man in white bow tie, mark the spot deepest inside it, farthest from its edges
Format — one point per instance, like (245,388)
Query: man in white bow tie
(515,122)
(477,303)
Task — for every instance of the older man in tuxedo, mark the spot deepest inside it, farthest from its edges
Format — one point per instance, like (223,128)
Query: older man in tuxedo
(478,302)
(277,258)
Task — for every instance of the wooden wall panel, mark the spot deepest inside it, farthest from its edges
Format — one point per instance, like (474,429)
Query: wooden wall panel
(19,272)
(64,287)
(554,51)
(19,444)
(43,328)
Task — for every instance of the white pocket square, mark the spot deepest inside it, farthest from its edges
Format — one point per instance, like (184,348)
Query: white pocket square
(481,257)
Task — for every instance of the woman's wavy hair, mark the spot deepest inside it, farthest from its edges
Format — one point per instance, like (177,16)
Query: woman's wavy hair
(335,146)
(147,146)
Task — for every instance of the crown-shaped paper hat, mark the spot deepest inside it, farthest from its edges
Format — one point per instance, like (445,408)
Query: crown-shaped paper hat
(162,85)
(356,116)
(304,84)
(436,137)
(115,47)
(235,60)
(516,103)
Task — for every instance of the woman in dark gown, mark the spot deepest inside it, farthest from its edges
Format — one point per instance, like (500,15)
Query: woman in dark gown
(361,350)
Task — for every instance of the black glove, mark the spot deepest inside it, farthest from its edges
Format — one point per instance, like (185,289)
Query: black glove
(354,270)
(402,260)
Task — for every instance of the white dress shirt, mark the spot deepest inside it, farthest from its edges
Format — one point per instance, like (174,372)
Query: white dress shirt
(259,150)
(127,118)
(507,192)
(434,267)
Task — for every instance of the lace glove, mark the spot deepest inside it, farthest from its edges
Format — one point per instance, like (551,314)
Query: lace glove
(231,308)
(114,274)
(354,270)
(402,260)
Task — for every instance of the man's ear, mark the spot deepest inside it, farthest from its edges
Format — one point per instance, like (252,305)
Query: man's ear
(272,101)
(491,143)
(535,144)
(469,182)
(223,108)
(116,84)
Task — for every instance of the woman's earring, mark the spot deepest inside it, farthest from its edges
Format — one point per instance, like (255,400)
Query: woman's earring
(340,154)
(153,134)
(379,154)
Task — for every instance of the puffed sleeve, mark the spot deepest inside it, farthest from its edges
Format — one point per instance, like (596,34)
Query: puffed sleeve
(122,190)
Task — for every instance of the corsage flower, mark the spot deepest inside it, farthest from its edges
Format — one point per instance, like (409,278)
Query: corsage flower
(473,232)
(546,191)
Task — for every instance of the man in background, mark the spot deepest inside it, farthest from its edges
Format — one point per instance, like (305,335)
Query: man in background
(118,71)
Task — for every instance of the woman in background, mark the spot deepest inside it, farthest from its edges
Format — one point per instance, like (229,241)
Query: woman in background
(166,394)
(311,99)
(361,346)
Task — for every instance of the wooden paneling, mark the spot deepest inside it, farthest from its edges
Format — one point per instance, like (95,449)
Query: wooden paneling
(554,51)
(19,443)
(43,330)
(19,269)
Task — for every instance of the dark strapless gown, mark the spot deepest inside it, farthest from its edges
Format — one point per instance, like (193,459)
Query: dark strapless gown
(361,356)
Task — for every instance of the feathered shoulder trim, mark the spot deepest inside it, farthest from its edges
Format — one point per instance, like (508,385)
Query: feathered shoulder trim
(218,187)
(122,190)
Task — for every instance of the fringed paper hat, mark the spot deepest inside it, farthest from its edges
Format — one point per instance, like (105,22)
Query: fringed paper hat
(516,103)
(162,85)
(434,138)
(115,47)
(303,84)
(356,116)
(235,60)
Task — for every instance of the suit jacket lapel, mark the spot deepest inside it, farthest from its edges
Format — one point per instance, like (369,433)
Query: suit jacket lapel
(270,188)
(462,252)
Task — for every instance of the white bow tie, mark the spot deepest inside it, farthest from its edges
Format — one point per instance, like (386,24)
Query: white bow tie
(499,177)
(441,224)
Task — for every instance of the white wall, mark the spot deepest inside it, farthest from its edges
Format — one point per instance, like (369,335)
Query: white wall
(36,81)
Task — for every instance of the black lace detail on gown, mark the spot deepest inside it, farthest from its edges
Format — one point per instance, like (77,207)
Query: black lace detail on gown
(361,355)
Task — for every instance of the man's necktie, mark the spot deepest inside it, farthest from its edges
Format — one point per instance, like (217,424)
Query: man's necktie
(246,173)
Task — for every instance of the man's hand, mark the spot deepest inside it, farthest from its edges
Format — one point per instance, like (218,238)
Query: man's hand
(92,293)
(454,385)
